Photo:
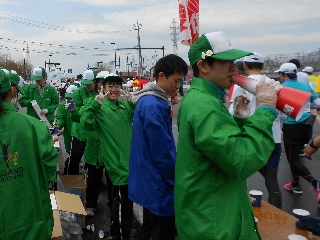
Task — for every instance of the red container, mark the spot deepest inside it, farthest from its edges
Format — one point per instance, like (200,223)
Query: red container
(291,102)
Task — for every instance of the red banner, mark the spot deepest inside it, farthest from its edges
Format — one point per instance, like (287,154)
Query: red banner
(189,21)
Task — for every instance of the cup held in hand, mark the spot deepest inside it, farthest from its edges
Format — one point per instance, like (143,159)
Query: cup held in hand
(70,104)
(290,101)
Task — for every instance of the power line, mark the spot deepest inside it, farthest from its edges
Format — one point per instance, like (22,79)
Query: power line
(24,21)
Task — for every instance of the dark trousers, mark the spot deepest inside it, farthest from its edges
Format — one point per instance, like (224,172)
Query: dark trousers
(76,152)
(121,213)
(270,174)
(93,186)
(156,227)
(294,138)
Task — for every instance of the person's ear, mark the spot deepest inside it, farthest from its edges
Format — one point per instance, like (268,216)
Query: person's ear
(161,76)
(11,92)
(202,66)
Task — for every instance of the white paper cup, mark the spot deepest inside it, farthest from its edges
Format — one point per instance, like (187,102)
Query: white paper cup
(300,213)
(296,237)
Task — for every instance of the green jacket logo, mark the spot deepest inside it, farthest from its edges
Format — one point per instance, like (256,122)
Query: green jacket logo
(8,157)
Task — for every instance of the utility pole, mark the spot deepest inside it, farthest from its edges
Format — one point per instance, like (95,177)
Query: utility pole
(137,27)
(174,36)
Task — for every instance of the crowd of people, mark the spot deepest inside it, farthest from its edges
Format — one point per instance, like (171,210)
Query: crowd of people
(125,130)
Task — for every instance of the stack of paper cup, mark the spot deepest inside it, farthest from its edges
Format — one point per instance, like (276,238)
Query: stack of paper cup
(290,101)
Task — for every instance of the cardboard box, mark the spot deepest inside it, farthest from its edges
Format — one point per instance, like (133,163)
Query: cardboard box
(76,184)
(67,202)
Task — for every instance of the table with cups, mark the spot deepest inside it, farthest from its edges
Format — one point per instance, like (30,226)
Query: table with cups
(273,223)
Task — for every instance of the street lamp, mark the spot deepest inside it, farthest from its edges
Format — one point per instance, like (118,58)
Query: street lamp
(115,55)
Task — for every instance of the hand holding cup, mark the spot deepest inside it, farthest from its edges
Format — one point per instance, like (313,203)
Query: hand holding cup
(240,106)
(266,92)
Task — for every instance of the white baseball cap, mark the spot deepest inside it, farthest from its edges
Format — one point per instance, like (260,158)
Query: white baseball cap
(215,45)
(102,74)
(287,68)
(70,90)
(38,73)
(255,58)
(88,77)
(307,69)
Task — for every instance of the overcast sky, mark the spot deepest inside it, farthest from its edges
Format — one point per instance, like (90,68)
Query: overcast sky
(268,27)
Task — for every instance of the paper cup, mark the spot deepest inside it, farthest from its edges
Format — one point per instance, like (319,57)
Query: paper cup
(301,214)
(103,233)
(256,197)
(71,104)
(296,237)
(290,101)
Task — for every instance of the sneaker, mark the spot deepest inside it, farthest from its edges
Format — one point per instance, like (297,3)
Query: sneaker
(317,190)
(317,195)
(90,212)
(296,189)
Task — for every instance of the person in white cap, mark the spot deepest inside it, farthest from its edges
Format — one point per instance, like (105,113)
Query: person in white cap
(253,66)
(78,134)
(16,83)
(301,76)
(111,118)
(217,152)
(311,78)
(63,117)
(296,133)
(313,83)
(41,91)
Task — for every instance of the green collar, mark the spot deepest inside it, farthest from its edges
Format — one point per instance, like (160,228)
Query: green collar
(221,92)
(114,106)
(9,107)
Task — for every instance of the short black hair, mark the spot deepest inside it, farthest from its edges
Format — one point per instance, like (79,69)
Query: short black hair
(169,65)
(290,75)
(295,62)
(79,76)
(195,68)
(239,65)
(114,80)
(254,65)
(3,96)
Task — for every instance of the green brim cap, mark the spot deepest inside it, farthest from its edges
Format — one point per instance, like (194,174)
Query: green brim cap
(70,90)
(76,84)
(38,73)
(88,77)
(4,82)
(216,45)
(15,79)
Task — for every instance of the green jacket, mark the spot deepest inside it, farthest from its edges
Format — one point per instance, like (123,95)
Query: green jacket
(78,97)
(27,165)
(216,153)
(114,125)
(63,120)
(91,152)
(49,100)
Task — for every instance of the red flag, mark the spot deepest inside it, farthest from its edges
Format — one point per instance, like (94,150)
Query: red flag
(189,21)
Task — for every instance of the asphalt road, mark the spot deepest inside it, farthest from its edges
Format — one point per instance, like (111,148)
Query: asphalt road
(306,201)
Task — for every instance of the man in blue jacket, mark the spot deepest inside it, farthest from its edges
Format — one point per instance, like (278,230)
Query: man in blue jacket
(153,151)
